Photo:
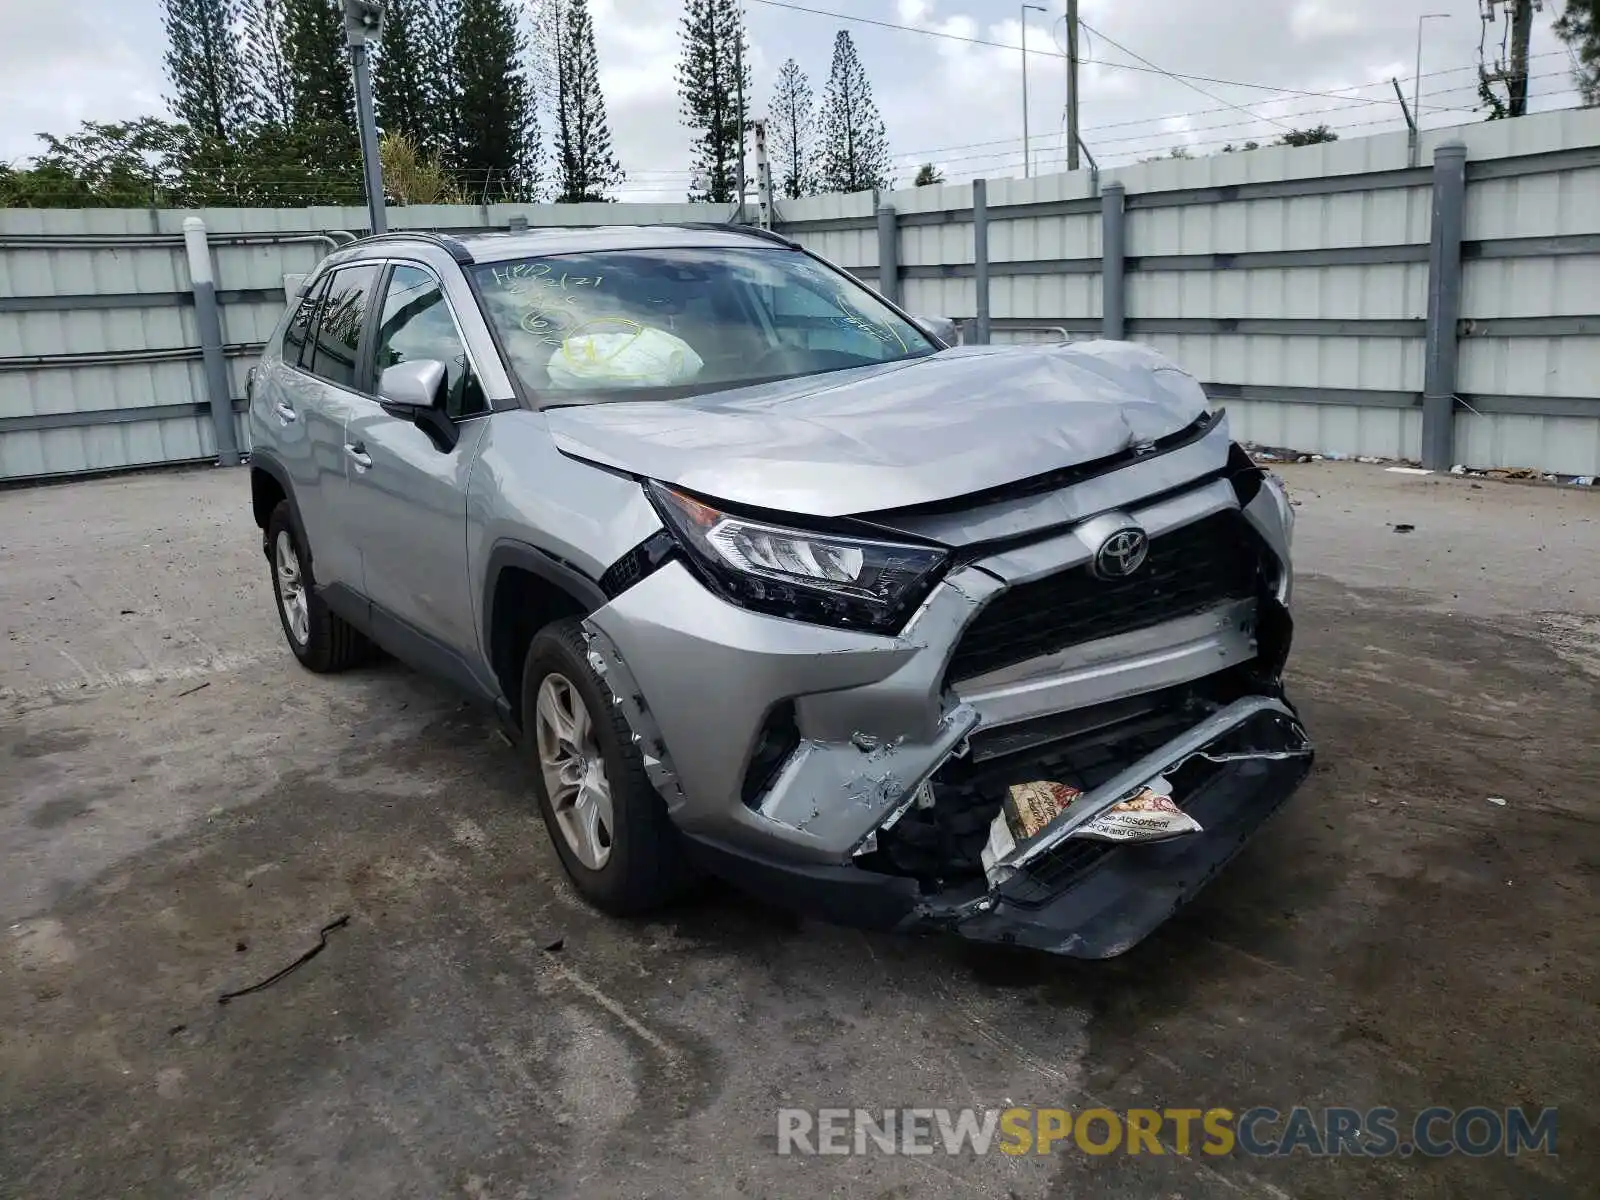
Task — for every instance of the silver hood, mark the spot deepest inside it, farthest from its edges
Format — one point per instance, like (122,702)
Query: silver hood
(899,434)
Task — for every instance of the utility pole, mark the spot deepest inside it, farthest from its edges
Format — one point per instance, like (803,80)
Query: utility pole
(363,24)
(1072,85)
(1521,31)
(1512,73)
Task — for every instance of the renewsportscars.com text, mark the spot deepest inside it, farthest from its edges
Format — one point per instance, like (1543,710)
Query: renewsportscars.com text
(1258,1132)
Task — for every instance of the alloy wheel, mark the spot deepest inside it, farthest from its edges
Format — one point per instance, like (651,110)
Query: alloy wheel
(574,770)
(292,589)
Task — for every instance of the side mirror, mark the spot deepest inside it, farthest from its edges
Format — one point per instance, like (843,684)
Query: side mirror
(414,391)
(408,386)
(942,329)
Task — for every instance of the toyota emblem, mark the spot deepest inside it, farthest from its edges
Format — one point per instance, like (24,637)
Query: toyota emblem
(1121,554)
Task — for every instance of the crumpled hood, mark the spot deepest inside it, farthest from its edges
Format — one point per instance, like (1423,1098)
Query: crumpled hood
(899,434)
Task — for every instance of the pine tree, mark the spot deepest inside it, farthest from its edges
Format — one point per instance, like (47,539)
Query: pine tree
(497,129)
(793,132)
(713,68)
(204,66)
(266,63)
(440,23)
(584,164)
(927,175)
(403,90)
(855,143)
(314,46)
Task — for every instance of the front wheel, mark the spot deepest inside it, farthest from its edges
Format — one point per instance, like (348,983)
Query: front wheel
(609,825)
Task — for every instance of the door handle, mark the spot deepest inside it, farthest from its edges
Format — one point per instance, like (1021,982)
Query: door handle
(285,413)
(357,452)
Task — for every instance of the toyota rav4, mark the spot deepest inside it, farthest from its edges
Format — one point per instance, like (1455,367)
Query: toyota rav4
(771,580)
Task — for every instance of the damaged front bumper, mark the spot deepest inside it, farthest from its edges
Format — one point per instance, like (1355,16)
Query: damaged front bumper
(1057,893)
(855,775)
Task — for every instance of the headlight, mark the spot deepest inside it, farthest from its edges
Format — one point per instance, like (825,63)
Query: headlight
(825,578)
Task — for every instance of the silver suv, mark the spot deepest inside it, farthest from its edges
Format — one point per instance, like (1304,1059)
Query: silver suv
(772,581)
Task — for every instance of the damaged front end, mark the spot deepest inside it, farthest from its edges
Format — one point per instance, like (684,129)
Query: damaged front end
(863,774)
(1226,765)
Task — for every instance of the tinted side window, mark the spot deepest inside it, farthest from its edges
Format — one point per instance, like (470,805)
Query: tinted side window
(416,324)
(298,333)
(344,312)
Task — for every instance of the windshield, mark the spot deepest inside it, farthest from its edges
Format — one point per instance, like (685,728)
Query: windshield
(647,324)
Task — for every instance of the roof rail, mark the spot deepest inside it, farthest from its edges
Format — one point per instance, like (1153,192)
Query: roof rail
(452,246)
(766,235)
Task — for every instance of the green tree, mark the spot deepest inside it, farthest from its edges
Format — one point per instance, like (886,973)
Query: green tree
(265,56)
(104,165)
(440,22)
(1579,27)
(711,72)
(585,167)
(855,145)
(1308,137)
(314,47)
(792,132)
(497,134)
(272,166)
(204,66)
(413,176)
(1230,148)
(403,87)
(927,174)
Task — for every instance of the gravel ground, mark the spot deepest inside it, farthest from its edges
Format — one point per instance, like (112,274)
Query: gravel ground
(181,809)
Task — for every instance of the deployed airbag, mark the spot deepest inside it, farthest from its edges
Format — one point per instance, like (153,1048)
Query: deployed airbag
(628,356)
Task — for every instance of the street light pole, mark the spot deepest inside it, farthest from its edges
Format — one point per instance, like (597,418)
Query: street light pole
(1023,13)
(1416,83)
(363,23)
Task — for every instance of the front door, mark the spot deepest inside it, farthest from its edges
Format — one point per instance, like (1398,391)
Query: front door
(408,492)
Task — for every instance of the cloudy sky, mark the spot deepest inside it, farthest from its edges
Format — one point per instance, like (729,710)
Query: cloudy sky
(947,101)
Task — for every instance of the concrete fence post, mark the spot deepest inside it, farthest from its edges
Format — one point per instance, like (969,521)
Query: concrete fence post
(888,253)
(209,320)
(980,257)
(1444,307)
(1113,245)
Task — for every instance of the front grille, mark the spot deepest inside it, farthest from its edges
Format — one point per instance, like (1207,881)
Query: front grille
(1188,570)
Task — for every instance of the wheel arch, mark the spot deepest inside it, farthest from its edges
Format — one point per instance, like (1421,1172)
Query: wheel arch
(269,487)
(525,589)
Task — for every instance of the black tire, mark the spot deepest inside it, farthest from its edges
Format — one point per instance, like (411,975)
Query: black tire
(647,867)
(332,643)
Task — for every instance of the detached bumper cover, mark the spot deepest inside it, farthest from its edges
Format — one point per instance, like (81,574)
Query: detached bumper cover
(1110,901)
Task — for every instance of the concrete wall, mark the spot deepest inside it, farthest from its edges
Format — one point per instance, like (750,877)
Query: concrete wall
(1294,283)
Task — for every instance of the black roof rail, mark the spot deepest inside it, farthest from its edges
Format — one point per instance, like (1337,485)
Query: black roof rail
(766,235)
(452,246)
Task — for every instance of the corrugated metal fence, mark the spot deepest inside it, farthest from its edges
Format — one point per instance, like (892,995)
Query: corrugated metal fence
(1329,296)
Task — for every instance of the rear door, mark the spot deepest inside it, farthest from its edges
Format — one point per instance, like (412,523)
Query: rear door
(320,400)
(282,396)
(408,491)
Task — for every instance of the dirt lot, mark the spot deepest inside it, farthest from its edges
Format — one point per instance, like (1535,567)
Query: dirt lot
(182,808)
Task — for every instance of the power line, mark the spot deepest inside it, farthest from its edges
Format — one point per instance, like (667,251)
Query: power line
(1469,88)
(1100,62)
(1116,45)
(1297,115)
(1059,155)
